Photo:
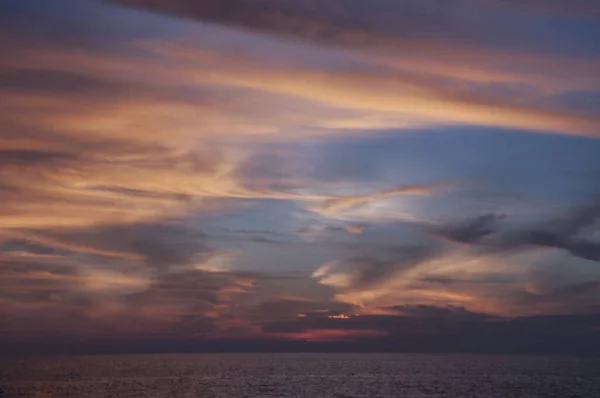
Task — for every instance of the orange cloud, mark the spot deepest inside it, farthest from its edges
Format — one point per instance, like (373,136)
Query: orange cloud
(329,335)
(334,205)
(409,285)
(438,79)
(104,141)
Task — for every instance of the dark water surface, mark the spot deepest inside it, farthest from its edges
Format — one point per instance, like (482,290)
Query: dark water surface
(301,375)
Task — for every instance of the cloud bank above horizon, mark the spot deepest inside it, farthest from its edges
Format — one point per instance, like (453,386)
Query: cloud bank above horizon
(300,171)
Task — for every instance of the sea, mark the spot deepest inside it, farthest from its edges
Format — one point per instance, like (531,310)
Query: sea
(300,375)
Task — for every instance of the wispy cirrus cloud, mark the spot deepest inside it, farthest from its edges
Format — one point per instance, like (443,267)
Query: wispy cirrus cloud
(333,205)
(585,8)
(491,263)
(126,151)
(430,83)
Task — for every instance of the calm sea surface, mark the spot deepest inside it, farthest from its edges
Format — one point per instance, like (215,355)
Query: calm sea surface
(301,375)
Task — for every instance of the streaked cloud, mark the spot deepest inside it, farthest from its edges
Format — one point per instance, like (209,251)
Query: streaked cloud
(479,265)
(427,85)
(336,204)
(586,8)
(184,174)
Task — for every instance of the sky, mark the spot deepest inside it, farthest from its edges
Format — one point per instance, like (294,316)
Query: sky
(397,175)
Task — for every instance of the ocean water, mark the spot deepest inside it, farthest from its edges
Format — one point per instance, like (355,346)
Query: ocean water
(301,375)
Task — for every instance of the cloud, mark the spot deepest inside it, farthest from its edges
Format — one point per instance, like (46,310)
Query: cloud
(335,21)
(410,35)
(577,247)
(26,157)
(565,232)
(417,91)
(508,269)
(37,81)
(117,139)
(454,329)
(416,104)
(350,22)
(420,319)
(459,331)
(581,8)
(119,280)
(120,151)
(470,231)
(288,309)
(335,205)
(364,273)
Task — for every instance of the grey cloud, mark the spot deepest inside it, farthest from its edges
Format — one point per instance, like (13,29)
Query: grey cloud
(139,193)
(197,290)
(168,245)
(586,8)
(89,88)
(585,250)
(549,290)
(160,291)
(571,298)
(160,244)
(419,319)
(433,312)
(454,329)
(56,82)
(277,310)
(406,25)
(26,157)
(565,232)
(372,269)
(553,334)
(580,219)
(574,334)
(577,247)
(24,246)
(425,320)
(330,21)
(470,231)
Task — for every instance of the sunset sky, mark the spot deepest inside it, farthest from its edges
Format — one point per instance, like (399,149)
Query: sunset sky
(417,175)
